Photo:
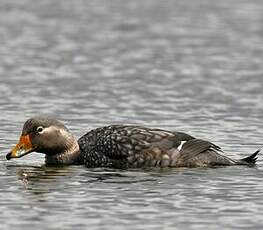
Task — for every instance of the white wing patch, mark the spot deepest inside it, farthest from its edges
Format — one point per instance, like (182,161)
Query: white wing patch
(181,145)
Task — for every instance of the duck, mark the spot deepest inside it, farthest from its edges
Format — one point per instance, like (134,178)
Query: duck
(119,146)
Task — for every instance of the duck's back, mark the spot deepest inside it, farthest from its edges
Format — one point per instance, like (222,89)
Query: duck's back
(135,146)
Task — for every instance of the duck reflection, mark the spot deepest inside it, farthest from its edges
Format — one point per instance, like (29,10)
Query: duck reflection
(45,179)
(42,179)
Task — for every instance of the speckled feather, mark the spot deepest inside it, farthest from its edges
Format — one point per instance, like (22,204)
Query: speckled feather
(134,146)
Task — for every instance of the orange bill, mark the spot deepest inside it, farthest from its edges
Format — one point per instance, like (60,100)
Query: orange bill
(23,147)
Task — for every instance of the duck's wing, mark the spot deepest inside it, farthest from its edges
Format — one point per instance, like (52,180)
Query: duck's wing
(197,152)
(132,145)
(194,147)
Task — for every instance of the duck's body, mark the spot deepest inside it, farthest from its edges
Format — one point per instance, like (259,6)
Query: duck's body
(120,146)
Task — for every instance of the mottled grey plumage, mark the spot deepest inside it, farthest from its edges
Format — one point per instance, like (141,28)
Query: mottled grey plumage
(134,146)
(124,146)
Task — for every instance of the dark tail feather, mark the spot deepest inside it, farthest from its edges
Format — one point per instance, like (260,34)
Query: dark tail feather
(252,158)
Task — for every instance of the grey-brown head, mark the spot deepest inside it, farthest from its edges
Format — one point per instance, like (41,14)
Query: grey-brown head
(44,135)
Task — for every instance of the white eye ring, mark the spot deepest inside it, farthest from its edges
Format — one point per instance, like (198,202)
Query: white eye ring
(40,129)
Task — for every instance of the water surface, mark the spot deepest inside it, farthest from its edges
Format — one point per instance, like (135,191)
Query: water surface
(193,66)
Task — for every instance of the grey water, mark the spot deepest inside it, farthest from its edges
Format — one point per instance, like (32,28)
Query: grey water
(192,66)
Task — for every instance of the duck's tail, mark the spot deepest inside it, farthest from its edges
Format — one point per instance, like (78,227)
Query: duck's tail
(250,159)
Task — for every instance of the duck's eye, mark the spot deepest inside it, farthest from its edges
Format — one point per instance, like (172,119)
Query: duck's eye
(40,129)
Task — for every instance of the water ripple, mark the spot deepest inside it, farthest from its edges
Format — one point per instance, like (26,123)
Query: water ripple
(194,66)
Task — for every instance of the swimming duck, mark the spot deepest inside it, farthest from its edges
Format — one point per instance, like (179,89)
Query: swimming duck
(119,146)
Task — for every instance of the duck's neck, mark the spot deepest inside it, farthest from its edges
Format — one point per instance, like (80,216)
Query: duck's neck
(71,155)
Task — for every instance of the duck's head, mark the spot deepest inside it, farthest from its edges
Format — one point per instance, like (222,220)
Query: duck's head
(44,135)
